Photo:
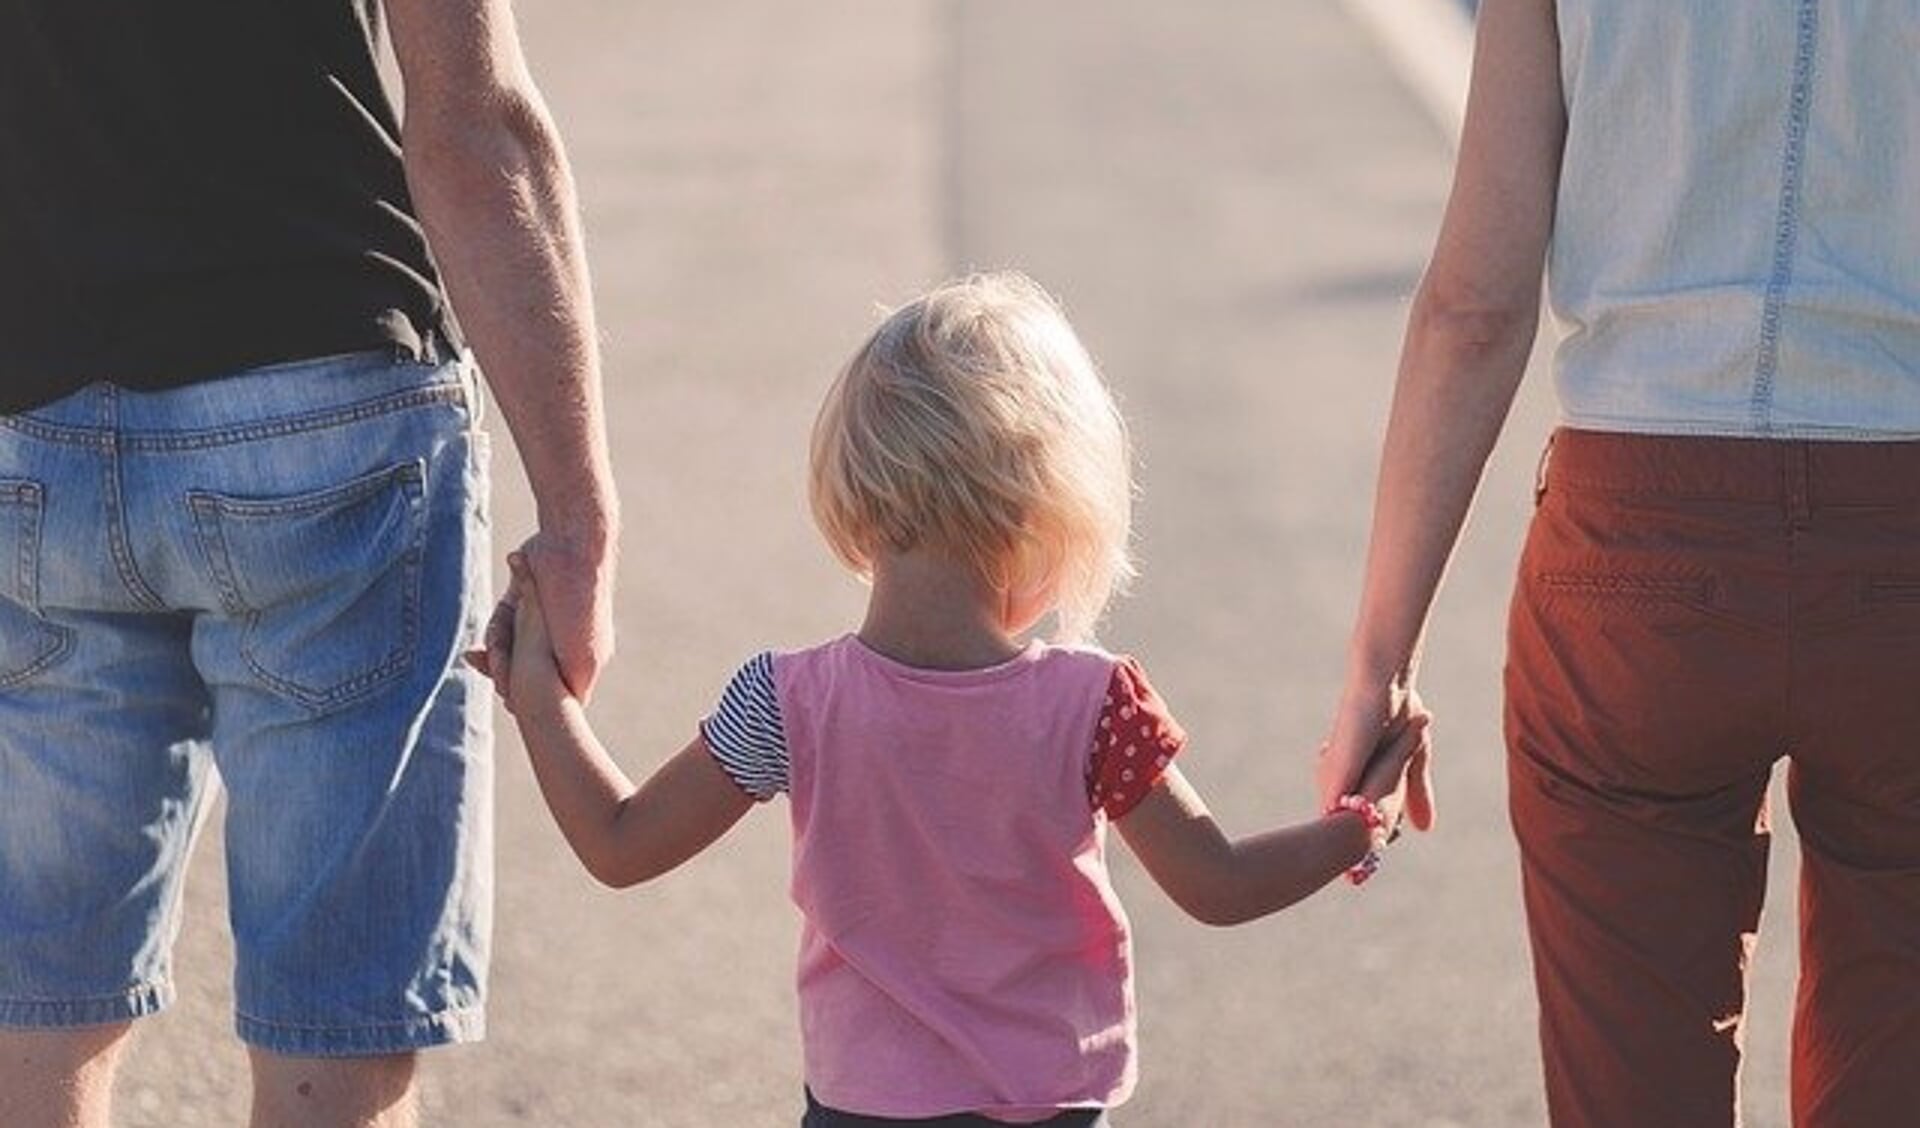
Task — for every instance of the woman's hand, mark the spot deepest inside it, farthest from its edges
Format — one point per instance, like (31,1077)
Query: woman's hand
(1374,719)
(1389,779)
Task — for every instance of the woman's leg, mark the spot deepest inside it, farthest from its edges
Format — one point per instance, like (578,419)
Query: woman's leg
(1855,789)
(1856,1030)
(1645,706)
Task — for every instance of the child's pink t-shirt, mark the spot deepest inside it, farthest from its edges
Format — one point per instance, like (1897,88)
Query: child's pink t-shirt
(962,947)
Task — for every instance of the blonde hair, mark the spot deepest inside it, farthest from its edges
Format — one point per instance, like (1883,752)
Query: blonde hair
(973,422)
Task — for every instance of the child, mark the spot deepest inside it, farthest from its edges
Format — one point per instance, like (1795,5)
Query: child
(964,960)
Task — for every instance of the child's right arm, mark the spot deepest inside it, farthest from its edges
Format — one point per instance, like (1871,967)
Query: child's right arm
(1224,881)
(622,834)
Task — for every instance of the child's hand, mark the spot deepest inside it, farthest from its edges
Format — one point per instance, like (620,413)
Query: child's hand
(1385,779)
(494,658)
(532,676)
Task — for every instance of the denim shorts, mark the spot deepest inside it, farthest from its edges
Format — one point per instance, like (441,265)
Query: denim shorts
(266,579)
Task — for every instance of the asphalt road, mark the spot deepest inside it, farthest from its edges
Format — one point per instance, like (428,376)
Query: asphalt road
(1234,202)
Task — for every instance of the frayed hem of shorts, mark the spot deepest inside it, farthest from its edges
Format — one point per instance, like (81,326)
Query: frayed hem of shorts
(99,1010)
(443,1028)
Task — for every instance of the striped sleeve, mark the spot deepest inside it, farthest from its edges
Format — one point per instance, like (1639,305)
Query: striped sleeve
(744,733)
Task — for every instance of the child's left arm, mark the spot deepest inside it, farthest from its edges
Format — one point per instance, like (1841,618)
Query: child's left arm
(622,834)
(1223,881)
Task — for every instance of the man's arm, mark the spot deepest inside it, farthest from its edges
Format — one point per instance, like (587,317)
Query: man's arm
(491,182)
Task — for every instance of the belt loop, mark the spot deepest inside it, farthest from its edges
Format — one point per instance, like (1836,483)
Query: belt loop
(1540,470)
(476,387)
(1798,488)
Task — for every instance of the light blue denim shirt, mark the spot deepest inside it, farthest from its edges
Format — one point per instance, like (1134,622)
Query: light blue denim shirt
(1736,249)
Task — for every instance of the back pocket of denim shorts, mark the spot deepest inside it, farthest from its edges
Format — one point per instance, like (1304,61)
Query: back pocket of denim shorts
(325,585)
(28,643)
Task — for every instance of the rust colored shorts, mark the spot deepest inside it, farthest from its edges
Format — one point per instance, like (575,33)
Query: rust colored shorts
(1689,611)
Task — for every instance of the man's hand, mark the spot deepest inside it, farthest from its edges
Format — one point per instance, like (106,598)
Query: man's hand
(573,581)
(576,597)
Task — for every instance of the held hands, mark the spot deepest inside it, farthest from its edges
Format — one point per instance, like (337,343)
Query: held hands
(1388,778)
(1383,793)
(520,657)
(576,600)
(1371,723)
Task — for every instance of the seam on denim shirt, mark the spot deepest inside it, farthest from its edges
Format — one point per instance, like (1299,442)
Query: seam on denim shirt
(1787,222)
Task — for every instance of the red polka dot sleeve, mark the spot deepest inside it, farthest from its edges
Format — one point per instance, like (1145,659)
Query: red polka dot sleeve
(1135,741)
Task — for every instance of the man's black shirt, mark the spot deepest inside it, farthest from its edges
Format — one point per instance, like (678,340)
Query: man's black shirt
(189,188)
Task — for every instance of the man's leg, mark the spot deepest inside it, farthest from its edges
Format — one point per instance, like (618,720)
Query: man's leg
(102,779)
(59,1078)
(103,770)
(306,1092)
(101,790)
(348,566)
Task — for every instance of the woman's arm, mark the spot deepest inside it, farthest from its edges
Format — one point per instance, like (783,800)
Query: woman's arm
(1467,341)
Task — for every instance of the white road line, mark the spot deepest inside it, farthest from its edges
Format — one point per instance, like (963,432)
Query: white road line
(1431,42)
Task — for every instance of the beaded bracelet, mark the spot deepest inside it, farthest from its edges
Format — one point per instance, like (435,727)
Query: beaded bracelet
(1378,834)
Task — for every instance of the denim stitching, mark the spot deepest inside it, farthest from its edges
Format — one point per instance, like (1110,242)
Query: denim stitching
(398,1024)
(29,498)
(439,1028)
(117,540)
(138,990)
(299,424)
(408,474)
(60,646)
(207,508)
(56,432)
(1787,222)
(26,575)
(213,542)
(161,442)
(360,684)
